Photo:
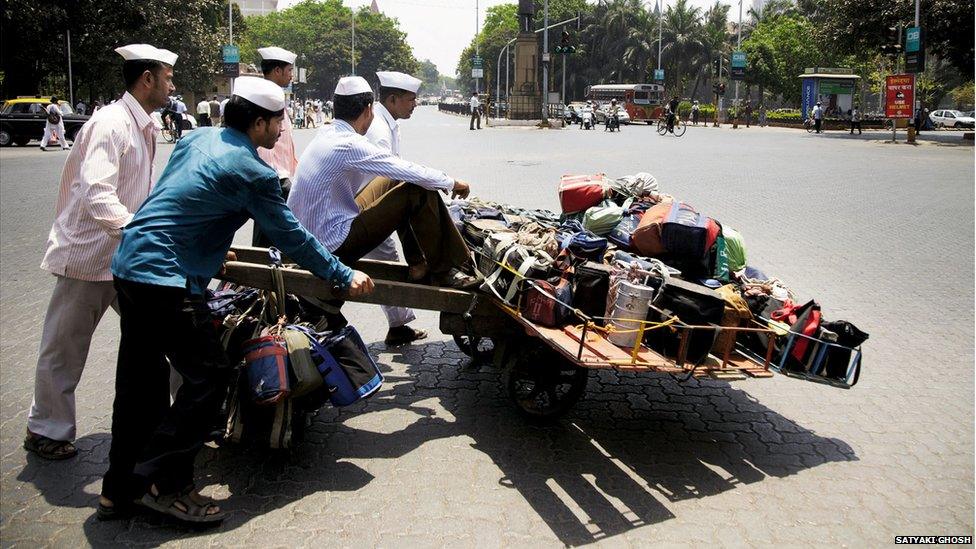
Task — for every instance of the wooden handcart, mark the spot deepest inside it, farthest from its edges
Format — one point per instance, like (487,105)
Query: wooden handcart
(544,369)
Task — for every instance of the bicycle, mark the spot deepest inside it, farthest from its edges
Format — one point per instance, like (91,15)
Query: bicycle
(168,134)
(809,125)
(678,127)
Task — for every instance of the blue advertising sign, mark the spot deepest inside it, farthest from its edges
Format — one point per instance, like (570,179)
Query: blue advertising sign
(659,75)
(232,54)
(738,59)
(912,39)
(809,96)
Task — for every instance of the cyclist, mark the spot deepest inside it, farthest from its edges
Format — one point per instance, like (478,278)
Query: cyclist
(172,119)
(672,113)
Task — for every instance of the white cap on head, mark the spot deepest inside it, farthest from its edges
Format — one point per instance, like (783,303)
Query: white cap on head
(145,52)
(274,53)
(399,80)
(261,92)
(352,85)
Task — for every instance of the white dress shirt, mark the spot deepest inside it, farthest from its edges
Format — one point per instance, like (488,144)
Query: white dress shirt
(203,107)
(475,103)
(384,132)
(107,176)
(330,172)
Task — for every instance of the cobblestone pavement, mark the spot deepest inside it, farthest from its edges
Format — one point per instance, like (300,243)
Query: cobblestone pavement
(881,234)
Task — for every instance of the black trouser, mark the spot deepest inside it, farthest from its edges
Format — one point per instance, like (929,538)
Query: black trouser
(817,123)
(475,116)
(694,117)
(177,119)
(153,442)
(857,125)
(258,239)
(204,119)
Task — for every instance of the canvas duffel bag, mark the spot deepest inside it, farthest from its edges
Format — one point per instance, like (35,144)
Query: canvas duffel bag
(647,238)
(544,301)
(694,305)
(579,192)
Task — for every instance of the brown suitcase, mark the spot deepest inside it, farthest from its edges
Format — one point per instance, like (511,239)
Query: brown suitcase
(646,238)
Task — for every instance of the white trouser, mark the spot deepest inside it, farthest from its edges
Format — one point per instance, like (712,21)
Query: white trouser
(395,316)
(75,309)
(59,127)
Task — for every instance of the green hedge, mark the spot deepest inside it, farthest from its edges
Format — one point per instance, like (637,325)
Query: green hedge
(707,109)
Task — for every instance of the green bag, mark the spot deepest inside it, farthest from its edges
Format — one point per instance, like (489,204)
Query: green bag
(735,249)
(721,260)
(604,217)
(305,373)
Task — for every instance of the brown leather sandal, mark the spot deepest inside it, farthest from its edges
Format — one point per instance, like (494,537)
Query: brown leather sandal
(48,448)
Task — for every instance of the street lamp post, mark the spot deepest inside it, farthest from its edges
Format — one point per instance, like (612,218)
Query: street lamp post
(738,46)
(477,46)
(545,63)
(352,57)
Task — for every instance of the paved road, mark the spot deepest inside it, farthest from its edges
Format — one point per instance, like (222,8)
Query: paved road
(881,234)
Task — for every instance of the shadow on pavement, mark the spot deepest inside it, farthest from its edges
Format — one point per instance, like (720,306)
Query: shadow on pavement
(633,445)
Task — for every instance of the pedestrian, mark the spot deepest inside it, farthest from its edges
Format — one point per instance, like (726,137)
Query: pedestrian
(401,197)
(762,115)
(214,111)
(475,106)
(203,113)
(222,105)
(309,115)
(817,116)
(105,179)
(172,118)
(856,119)
(747,112)
(277,65)
(81,108)
(180,114)
(213,183)
(319,119)
(328,108)
(97,107)
(54,125)
(398,98)
(695,111)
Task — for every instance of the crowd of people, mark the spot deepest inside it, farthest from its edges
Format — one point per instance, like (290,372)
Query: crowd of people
(148,248)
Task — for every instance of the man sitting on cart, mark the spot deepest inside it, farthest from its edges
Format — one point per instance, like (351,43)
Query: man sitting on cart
(401,197)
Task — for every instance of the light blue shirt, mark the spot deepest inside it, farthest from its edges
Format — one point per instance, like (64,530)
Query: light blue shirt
(330,172)
(214,182)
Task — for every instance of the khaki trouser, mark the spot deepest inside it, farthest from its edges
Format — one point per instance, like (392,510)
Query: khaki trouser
(418,216)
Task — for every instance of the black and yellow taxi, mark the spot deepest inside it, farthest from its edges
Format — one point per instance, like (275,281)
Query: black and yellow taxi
(23,119)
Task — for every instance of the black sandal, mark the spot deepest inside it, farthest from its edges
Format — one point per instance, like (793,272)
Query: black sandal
(48,448)
(115,512)
(191,512)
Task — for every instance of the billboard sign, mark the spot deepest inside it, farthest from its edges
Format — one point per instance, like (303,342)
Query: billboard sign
(899,96)
(809,96)
(913,38)
(659,75)
(232,54)
(738,67)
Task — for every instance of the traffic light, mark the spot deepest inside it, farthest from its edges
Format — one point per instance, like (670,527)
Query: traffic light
(721,89)
(891,45)
(716,67)
(565,43)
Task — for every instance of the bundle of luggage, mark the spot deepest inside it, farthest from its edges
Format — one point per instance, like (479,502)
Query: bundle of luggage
(288,365)
(623,254)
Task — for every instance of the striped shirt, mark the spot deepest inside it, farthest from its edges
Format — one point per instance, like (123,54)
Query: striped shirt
(106,178)
(323,195)
(282,156)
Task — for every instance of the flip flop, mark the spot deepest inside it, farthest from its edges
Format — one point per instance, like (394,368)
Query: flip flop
(48,448)
(192,511)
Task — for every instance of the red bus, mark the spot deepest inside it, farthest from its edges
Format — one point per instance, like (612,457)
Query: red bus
(643,102)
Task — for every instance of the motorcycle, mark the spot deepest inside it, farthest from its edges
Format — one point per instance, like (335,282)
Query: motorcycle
(586,120)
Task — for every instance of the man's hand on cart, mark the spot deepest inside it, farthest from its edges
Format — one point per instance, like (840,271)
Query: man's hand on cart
(461,190)
(231,256)
(361,284)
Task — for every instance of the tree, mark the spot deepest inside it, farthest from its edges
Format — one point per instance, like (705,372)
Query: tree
(962,96)
(31,65)
(683,45)
(855,26)
(430,75)
(788,38)
(761,68)
(321,34)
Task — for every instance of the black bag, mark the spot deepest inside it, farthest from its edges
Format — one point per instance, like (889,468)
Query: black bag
(591,285)
(693,304)
(54,117)
(761,306)
(838,360)
(685,231)
(278,426)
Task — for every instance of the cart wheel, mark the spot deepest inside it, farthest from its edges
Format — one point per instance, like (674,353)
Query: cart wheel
(482,351)
(541,383)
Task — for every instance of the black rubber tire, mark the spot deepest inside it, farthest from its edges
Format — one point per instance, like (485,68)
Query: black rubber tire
(6,138)
(22,141)
(541,383)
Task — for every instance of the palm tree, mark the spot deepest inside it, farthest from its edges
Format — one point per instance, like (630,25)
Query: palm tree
(682,42)
(714,38)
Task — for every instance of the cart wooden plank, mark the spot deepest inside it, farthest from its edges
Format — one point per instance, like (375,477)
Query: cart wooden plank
(386,292)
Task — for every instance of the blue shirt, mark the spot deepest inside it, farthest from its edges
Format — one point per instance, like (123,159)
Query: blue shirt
(331,172)
(214,182)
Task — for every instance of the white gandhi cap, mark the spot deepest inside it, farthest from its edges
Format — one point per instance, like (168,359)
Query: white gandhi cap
(261,92)
(352,85)
(274,53)
(145,52)
(399,80)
